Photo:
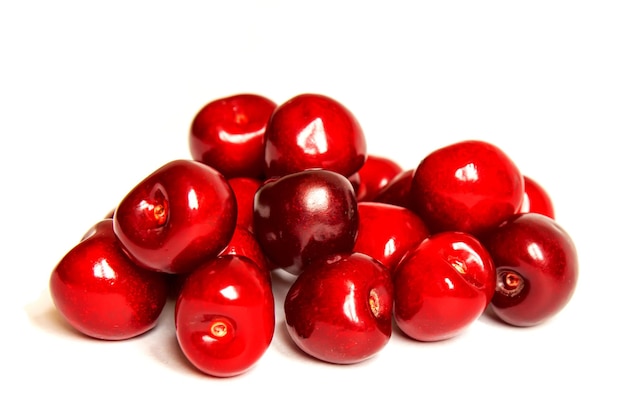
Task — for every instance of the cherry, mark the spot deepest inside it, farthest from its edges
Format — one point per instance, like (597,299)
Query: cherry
(244,243)
(228,134)
(442,286)
(224,316)
(313,131)
(402,230)
(468,186)
(339,310)
(304,216)
(537,268)
(177,217)
(398,190)
(374,175)
(101,293)
(245,188)
(536,199)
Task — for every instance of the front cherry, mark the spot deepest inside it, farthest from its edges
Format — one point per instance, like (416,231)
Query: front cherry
(224,316)
(339,309)
(180,215)
(537,268)
(442,286)
(101,293)
(305,216)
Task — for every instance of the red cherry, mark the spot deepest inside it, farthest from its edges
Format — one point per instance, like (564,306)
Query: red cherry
(244,243)
(386,232)
(469,186)
(339,309)
(398,190)
(228,134)
(305,216)
(537,268)
(313,131)
(245,188)
(180,215)
(101,293)
(375,174)
(536,199)
(442,286)
(224,316)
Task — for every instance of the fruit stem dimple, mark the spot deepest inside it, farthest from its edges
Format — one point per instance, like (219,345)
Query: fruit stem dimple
(219,329)
(510,283)
(374,302)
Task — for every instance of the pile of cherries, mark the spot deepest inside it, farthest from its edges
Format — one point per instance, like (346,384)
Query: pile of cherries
(364,242)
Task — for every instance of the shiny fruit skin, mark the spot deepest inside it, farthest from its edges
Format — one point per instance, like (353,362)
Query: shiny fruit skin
(244,243)
(537,269)
(224,316)
(313,131)
(398,190)
(305,216)
(468,186)
(228,134)
(180,215)
(402,230)
(339,310)
(536,199)
(442,286)
(375,174)
(245,188)
(101,293)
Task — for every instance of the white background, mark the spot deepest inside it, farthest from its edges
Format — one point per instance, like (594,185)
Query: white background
(96,95)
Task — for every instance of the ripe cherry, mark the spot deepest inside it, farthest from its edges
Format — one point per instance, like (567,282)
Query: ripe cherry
(442,286)
(245,188)
(375,174)
(339,309)
(536,199)
(305,216)
(468,186)
(398,190)
(101,293)
(180,215)
(224,316)
(537,268)
(313,131)
(228,134)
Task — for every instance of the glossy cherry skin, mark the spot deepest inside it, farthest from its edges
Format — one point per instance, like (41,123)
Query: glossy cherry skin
(313,131)
(468,186)
(339,310)
(398,190)
(375,174)
(224,316)
(245,188)
(101,293)
(442,286)
(244,243)
(386,232)
(537,268)
(180,215)
(536,199)
(229,134)
(305,216)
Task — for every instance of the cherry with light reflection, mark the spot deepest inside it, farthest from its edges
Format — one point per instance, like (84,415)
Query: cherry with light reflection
(245,188)
(537,268)
(224,316)
(339,310)
(536,199)
(177,217)
(228,134)
(313,131)
(101,293)
(398,190)
(375,174)
(468,186)
(442,286)
(304,216)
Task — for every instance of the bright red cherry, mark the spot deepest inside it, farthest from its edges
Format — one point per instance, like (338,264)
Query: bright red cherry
(177,217)
(224,316)
(244,243)
(245,188)
(305,216)
(313,131)
(228,134)
(386,232)
(375,174)
(398,190)
(442,286)
(536,199)
(469,186)
(537,268)
(339,310)
(101,293)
